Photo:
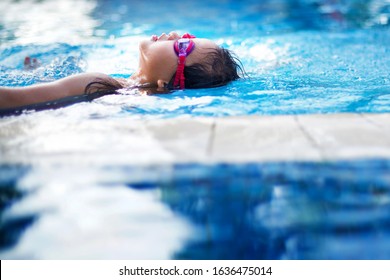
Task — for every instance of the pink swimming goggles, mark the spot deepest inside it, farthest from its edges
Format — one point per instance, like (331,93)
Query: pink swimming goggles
(183,47)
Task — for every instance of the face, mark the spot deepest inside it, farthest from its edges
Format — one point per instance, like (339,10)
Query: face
(158,61)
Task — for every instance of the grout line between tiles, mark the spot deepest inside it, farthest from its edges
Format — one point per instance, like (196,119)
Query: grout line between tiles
(308,136)
(210,142)
(375,124)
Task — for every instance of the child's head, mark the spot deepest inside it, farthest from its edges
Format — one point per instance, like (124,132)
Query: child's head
(206,65)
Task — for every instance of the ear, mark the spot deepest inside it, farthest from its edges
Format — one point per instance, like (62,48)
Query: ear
(162,84)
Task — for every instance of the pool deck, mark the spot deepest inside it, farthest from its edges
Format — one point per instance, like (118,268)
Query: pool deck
(275,138)
(322,137)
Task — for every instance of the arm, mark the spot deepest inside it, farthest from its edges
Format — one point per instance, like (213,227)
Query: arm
(70,86)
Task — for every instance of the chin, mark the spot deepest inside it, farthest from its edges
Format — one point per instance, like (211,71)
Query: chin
(144,44)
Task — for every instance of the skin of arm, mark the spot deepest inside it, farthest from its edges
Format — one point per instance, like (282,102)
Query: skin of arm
(11,97)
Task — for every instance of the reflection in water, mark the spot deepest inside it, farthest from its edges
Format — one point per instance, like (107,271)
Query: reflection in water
(284,210)
(225,211)
(9,193)
(53,21)
(82,213)
(242,19)
(47,21)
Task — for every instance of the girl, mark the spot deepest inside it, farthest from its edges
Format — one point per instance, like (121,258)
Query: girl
(166,62)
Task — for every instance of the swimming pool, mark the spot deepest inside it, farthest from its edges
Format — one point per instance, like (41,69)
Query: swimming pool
(91,180)
(301,56)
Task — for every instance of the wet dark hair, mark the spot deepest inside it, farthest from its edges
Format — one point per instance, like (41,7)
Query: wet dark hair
(219,67)
(107,86)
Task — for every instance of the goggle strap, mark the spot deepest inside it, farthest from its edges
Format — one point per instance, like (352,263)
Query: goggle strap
(182,54)
(179,78)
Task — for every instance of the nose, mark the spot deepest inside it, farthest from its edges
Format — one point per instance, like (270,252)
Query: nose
(173,36)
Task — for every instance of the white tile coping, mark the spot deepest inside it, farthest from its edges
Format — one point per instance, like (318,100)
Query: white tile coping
(199,140)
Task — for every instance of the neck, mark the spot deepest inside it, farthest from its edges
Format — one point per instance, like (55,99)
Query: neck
(138,79)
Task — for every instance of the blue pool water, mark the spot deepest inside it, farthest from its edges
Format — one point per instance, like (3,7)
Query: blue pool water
(63,196)
(225,211)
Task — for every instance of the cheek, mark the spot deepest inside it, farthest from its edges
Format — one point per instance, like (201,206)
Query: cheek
(157,60)
(162,56)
